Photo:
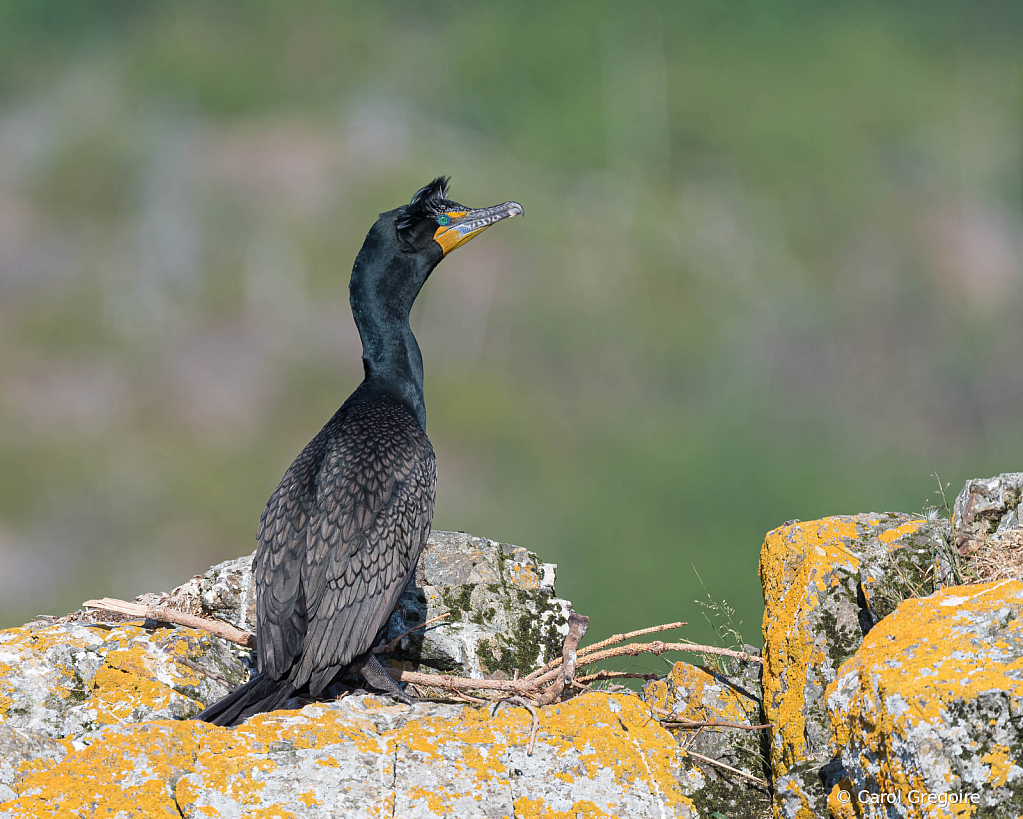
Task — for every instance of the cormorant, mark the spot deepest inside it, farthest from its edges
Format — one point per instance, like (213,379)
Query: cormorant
(341,535)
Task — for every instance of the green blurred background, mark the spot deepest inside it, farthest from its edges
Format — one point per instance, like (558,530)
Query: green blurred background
(771,269)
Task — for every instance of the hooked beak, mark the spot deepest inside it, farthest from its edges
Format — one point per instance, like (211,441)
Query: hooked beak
(468,223)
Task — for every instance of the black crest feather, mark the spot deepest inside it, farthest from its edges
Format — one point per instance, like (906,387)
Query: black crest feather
(429,201)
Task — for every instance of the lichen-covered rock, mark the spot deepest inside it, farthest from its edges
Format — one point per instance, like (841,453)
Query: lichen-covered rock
(930,709)
(25,752)
(503,613)
(987,507)
(826,583)
(693,694)
(67,678)
(596,755)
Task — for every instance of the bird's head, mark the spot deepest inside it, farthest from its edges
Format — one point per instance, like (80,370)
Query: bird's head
(406,244)
(433,219)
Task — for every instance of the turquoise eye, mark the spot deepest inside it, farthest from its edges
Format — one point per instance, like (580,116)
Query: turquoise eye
(443,219)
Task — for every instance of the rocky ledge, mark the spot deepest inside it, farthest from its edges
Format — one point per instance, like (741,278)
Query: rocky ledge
(891,685)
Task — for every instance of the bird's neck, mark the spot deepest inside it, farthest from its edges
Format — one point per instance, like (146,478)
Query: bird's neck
(390,355)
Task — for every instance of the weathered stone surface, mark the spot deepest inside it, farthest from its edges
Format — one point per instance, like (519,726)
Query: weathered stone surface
(364,756)
(503,614)
(932,704)
(65,679)
(985,507)
(693,694)
(503,610)
(22,752)
(826,583)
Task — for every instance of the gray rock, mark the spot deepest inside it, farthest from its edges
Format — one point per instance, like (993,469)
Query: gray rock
(503,613)
(986,507)
(695,694)
(64,679)
(363,756)
(826,584)
(17,749)
(931,707)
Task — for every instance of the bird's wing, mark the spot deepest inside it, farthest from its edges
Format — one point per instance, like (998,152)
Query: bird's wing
(369,523)
(280,554)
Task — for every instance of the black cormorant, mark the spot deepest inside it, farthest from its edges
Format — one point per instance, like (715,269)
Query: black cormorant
(341,534)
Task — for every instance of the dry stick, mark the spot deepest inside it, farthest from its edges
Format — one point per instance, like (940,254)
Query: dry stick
(617,638)
(710,724)
(577,625)
(707,759)
(213,675)
(526,685)
(616,675)
(450,683)
(216,627)
(657,647)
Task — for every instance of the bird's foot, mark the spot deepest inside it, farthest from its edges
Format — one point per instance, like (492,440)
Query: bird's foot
(376,675)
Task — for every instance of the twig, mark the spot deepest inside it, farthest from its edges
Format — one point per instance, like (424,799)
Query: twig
(613,675)
(617,638)
(165,615)
(657,647)
(710,761)
(213,675)
(711,724)
(388,647)
(577,625)
(529,706)
(545,684)
(448,682)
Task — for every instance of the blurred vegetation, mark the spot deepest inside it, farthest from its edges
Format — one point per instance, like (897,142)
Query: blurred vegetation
(771,269)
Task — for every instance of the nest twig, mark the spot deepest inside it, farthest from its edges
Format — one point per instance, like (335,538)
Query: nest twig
(544,685)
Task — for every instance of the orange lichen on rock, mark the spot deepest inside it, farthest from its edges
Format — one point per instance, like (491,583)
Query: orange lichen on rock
(814,576)
(524,576)
(126,771)
(797,563)
(691,693)
(67,678)
(426,761)
(930,702)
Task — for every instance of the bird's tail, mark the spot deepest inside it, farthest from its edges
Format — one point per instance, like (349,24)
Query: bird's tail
(257,695)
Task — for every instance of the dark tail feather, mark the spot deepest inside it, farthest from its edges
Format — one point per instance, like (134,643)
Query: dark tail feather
(257,695)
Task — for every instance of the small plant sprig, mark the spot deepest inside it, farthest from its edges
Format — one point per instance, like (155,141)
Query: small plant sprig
(721,618)
(932,512)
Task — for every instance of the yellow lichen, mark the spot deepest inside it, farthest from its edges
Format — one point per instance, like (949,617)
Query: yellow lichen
(524,577)
(793,563)
(800,565)
(1000,762)
(889,536)
(605,732)
(926,657)
(537,809)
(126,774)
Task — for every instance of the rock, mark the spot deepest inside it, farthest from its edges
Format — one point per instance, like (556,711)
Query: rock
(597,755)
(827,583)
(22,752)
(500,598)
(987,530)
(67,678)
(986,507)
(693,694)
(931,706)
(503,613)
